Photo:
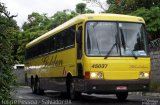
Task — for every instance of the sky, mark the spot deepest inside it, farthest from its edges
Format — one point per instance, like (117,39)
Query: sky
(24,7)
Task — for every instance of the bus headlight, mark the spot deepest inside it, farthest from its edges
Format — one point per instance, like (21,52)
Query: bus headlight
(96,75)
(144,75)
(93,75)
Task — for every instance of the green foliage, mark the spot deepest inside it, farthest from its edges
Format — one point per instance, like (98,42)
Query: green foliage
(60,17)
(81,9)
(128,6)
(151,17)
(8,28)
(155,86)
(35,20)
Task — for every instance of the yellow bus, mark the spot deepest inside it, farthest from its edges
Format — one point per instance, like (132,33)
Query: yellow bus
(91,53)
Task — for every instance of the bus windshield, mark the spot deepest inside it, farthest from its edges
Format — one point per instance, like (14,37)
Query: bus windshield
(115,39)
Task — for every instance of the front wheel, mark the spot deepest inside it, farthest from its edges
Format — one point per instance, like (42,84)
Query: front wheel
(72,94)
(122,96)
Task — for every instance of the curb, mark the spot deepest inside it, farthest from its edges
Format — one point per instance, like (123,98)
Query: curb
(154,94)
(24,86)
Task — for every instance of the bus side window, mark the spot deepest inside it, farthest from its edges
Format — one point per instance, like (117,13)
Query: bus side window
(47,45)
(43,47)
(72,35)
(53,43)
(79,45)
(69,37)
(66,42)
(61,40)
(40,48)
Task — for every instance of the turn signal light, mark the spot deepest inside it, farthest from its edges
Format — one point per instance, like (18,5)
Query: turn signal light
(87,75)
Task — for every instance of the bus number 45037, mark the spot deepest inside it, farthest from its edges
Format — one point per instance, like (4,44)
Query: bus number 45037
(99,66)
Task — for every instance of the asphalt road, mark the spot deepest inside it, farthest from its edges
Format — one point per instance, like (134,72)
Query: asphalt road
(52,97)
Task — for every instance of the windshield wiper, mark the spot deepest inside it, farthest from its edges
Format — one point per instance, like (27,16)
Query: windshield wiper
(110,50)
(115,44)
(134,55)
(124,44)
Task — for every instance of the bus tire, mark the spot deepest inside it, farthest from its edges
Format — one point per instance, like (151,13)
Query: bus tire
(39,90)
(122,96)
(33,86)
(72,94)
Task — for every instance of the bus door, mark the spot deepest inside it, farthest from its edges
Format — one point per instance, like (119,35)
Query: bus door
(79,34)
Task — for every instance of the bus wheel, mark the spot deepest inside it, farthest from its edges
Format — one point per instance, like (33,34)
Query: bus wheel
(122,96)
(39,90)
(72,94)
(33,86)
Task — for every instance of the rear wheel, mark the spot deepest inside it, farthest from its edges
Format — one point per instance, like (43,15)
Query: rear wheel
(122,96)
(39,90)
(33,86)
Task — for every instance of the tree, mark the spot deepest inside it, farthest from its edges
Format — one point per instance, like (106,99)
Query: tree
(127,6)
(60,17)
(35,20)
(8,28)
(151,17)
(81,9)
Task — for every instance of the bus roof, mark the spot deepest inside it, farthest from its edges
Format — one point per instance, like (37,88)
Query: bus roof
(86,17)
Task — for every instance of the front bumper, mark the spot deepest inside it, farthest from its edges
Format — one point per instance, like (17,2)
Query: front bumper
(109,86)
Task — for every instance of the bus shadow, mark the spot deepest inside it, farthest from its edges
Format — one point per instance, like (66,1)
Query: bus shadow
(84,99)
(94,99)
(107,99)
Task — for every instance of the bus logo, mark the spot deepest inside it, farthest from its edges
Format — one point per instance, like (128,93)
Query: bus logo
(52,61)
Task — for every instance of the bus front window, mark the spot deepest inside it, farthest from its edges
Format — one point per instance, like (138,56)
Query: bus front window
(132,39)
(100,37)
(115,39)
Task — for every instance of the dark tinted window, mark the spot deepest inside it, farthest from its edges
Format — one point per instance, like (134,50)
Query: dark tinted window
(69,37)
(59,41)
(52,43)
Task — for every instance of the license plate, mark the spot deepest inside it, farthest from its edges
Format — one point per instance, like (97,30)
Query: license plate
(121,88)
